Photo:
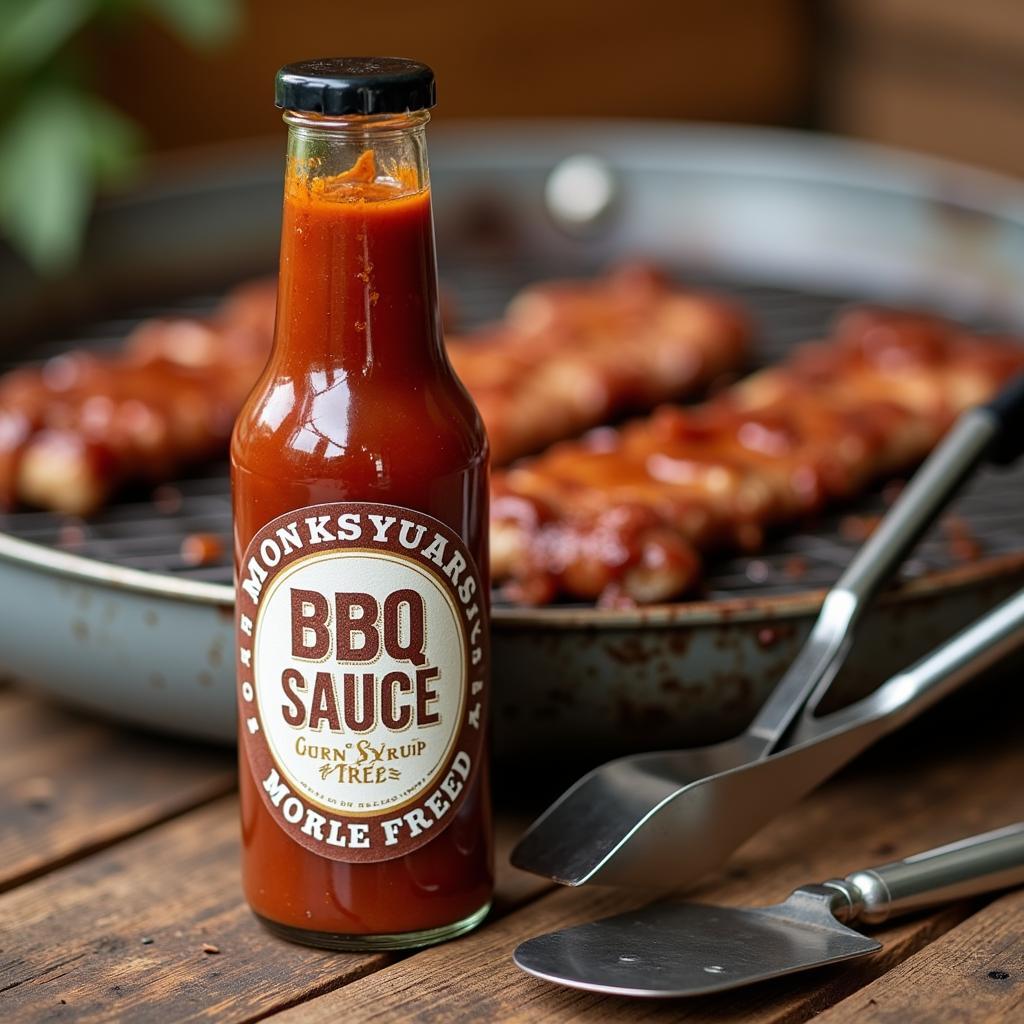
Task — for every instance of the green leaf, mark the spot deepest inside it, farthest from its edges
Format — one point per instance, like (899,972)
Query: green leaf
(203,23)
(52,153)
(31,31)
(45,186)
(115,141)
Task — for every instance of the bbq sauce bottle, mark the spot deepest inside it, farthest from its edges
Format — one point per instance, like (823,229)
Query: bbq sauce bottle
(359,468)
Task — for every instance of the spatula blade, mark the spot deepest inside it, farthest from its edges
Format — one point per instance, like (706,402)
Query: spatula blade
(689,949)
(594,819)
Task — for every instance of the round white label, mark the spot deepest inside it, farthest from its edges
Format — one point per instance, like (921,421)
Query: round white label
(359,670)
(362,676)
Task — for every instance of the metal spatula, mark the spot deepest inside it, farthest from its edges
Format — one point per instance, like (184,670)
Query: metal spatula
(689,949)
(589,833)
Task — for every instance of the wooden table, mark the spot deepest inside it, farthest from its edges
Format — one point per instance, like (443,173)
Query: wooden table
(121,901)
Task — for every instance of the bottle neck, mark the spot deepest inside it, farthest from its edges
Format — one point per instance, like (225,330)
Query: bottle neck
(358,285)
(324,148)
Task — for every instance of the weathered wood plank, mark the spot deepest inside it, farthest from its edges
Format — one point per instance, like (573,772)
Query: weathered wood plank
(905,797)
(474,980)
(78,934)
(512,887)
(119,936)
(70,785)
(974,972)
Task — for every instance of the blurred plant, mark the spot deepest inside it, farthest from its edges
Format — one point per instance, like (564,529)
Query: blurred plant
(59,141)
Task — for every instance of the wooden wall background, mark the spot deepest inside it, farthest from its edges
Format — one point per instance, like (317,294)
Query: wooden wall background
(729,60)
(941,76)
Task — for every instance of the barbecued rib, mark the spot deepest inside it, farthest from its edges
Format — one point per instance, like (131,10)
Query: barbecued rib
(624,516)
(566,357)
(77,428)
(571,355)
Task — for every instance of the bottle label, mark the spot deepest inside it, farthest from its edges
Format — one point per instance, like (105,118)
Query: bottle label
(362,676)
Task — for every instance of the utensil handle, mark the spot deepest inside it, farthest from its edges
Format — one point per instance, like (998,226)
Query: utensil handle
(928,492)
(1008,410)
(983,863)
(905,695)
(994,431)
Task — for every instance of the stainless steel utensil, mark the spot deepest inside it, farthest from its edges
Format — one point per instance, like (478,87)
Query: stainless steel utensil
(688,949)
(607,826)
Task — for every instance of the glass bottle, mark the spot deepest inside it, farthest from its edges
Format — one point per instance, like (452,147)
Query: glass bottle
(359,469)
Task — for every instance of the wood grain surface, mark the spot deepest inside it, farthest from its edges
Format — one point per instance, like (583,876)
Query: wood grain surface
(136,913)
(973,973)
(70,785)
(121,935)
(75,942)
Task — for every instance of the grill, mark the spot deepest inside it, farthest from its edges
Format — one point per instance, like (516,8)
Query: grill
(794,227)
(147,530)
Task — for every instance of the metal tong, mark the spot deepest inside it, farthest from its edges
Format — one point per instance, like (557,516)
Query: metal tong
(663,819)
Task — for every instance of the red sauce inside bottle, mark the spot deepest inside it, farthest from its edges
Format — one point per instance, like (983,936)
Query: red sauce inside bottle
(359,404)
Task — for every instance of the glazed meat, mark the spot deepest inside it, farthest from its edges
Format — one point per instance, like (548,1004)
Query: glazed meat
(77,428)
(626,516)
(566,357)
(571,355)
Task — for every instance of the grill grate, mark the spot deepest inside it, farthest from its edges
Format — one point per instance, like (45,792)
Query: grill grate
(146,530)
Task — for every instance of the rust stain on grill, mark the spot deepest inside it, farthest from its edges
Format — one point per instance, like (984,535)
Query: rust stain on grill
(679,641)
(769,636)
(628,651)
(215,655)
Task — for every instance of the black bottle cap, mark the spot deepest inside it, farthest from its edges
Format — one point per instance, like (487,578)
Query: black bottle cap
(336,86)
